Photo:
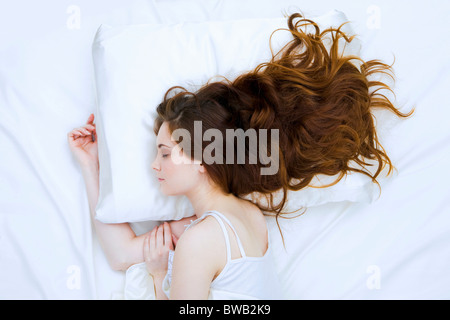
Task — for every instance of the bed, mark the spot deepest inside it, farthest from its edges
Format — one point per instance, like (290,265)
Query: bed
(394,246)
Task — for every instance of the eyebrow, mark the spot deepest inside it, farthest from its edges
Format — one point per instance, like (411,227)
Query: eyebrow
(162,145)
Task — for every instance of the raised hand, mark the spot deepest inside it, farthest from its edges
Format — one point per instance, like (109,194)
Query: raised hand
(83,143)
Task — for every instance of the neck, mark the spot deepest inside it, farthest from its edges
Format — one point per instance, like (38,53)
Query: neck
(207,197)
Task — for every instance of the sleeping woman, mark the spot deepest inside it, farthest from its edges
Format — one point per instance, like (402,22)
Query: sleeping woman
(317,102)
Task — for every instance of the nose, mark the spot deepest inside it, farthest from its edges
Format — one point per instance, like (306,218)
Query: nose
(155,164)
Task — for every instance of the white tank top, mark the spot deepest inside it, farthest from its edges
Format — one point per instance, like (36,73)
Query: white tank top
(241,278)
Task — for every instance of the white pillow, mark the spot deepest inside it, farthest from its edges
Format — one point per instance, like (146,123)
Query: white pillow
(135,65)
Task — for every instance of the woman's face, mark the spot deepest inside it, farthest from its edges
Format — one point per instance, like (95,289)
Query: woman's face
(175,177)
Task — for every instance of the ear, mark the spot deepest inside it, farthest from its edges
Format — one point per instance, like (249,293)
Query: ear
(201,168)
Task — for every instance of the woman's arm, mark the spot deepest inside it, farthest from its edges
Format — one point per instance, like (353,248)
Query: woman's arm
(121,245)
(119,242)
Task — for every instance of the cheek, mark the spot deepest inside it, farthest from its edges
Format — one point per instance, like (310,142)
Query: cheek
(179,179)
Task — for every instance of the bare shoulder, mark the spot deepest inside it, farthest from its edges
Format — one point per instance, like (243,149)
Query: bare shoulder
(201,244)
(199,254)
(203,236)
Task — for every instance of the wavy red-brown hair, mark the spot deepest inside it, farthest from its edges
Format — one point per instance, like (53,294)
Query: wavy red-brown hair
(320,100)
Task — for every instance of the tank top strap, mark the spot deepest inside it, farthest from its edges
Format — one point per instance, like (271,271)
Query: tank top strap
(221,219)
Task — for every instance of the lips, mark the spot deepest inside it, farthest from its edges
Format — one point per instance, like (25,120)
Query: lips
(159,179)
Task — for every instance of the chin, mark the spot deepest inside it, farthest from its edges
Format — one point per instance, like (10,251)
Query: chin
(177,188)
(168,192)
(164,192)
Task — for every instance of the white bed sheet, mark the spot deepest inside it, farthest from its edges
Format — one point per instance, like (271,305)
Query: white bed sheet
(395,248)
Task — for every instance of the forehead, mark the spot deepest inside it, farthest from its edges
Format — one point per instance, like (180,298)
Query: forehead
(163,136)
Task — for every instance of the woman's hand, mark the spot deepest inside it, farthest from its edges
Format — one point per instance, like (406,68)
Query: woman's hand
(83,143)
(156,250)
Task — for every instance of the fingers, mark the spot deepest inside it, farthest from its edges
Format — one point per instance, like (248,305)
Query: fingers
(90,120)
(156,250)
(147,247)
(152,240)
(161,237)
(157,245)
(174,240)
(75,134)
(168,236)
(86,130)
(83,131)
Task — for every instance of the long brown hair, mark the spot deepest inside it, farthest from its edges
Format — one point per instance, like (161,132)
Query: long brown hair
(320,100)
